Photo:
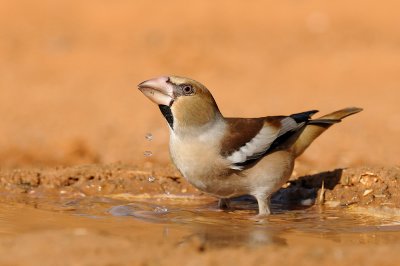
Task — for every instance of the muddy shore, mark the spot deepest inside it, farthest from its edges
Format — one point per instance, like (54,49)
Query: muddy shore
(51,213)
(363,186)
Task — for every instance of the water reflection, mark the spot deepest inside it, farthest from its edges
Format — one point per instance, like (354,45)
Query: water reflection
(214,228)
(201,223)
(210,227)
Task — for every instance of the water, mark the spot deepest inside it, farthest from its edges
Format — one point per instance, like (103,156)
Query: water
(201,219)
(147,153)
(149,136)
(160,209)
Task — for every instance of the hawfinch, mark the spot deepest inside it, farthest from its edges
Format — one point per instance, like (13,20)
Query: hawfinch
(229,157)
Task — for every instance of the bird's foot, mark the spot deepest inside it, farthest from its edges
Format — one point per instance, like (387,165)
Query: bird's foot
(263,214)
(263,205)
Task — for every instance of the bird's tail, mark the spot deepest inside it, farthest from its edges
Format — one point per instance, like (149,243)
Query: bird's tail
(317,126)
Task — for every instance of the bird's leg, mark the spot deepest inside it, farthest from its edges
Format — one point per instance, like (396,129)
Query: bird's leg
(263,204)
(224,203)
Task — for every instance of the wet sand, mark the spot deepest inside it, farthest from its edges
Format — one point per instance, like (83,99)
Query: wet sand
(36,237)
(116,214)
(76,188)
(70,69)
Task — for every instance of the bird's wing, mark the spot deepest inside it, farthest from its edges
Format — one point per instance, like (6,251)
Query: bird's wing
(248,140)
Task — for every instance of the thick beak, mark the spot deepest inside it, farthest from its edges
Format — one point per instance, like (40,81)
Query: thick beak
(158,90)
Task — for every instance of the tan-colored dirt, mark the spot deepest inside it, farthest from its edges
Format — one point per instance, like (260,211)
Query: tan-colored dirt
(46,214)
(374,187)
(68,98)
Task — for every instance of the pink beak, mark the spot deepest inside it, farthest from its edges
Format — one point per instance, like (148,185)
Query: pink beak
(158,90)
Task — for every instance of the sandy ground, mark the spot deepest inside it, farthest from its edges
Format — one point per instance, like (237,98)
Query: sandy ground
(68,97)
(70,69)
(54,213)
(373,187)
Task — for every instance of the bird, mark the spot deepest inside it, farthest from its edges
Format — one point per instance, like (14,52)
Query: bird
(230,157)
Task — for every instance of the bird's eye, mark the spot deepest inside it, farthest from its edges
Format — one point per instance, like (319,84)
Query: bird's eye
(187,89)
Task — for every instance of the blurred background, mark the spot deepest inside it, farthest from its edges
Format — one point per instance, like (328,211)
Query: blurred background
(69,74)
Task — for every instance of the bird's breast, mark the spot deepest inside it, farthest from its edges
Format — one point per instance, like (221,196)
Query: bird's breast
(199,161)
(193,158)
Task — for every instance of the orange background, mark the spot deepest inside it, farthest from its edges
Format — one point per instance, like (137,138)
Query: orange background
(69,71)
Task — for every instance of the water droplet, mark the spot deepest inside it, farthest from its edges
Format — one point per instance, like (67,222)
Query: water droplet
(122,210)
(160,210)
(151,179)
(149,136)
(147,153)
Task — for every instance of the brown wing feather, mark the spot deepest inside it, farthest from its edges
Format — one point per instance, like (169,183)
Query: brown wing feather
(240,131)
(249,139)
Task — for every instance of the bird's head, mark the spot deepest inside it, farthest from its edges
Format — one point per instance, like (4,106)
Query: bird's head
(184,102)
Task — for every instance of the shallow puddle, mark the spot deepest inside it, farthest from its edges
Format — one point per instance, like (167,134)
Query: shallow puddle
(183,221)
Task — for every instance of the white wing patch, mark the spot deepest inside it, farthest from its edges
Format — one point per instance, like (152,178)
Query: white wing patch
(261,142)
(256,145)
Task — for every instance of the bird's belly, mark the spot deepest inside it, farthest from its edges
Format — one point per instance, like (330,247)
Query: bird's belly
(271,172)
(227,186)
(202,165)
(220,185)
(204,168)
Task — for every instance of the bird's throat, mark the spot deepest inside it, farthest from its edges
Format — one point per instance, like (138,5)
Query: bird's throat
(167,113)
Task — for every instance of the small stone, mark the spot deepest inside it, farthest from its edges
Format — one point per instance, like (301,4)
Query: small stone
(369,173)
(367,192)
(332,204)
(307,202)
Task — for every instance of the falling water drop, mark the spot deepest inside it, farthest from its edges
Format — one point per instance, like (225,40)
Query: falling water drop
(149,136)
(147,153)
(160,210)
